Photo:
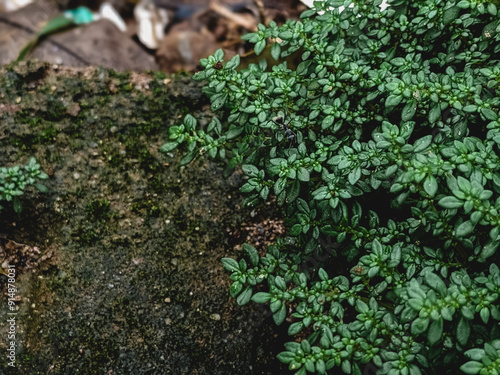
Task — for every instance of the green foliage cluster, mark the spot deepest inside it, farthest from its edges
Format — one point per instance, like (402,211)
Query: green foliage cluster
(383,146)
(13,181)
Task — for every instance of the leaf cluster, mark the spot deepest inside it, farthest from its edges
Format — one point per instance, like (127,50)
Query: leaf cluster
(13,181)
(388,171)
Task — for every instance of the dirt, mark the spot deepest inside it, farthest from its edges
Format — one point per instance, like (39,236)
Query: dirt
(118,267)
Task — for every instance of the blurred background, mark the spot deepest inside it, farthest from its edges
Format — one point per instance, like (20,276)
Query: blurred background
(166,35)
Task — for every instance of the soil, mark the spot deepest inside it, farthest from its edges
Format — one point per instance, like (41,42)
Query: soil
(118,267)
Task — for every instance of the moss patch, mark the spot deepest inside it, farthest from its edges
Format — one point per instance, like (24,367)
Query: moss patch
(129,279)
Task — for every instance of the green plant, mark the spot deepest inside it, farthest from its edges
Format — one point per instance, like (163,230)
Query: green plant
(99,209)
(388,176)
(13,181)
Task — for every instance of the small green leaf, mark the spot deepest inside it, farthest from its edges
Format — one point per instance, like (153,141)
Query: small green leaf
(287,34)
(235,288)
(463,331)
(377,247)
(467,312)
(276,51)
(190,122)
(419,326)
(188,158)
(199,76)
(280,283)
(233,63)
(327,122)
(465,229)
(293,191)
(393,100)
(219,54)
(295,328)
(322,274)
(247,188)
(234,132)
(252,253)
(434,114)
(450,202)
(472,367)
(470,108)
(310,365)
(303,206)
(18,207)
(303,174)
(355,175)
(286,357)
(212,152)
(230,264)
(280,315)
(409,110)
(244,297)
(414,370)
(42,188)
(346,366)
(169,146)
(490,350)
(430,185)
(261,297)
(489,249)
(416,303)
(435,331)
(398,61)
(422,144)
(450,14)
(492,9)
(218,101)
(279,185)
(436,283)
(362,307)
(489,114)
(296,230)
(259,46)
(476,354)
(250,170)
(485,314)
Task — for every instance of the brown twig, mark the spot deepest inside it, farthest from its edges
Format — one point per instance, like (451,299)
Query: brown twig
(260,7)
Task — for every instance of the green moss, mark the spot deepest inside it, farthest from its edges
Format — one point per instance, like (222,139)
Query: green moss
(99,210)
(93,250)
(47,136)
(91,350)
(115,186)
(56,110)
(19,143)
(27,116)
(26,142)
(79,192)
(148,206)
(160,75)
(125,76)
(88,237)
(138,150)
(157,184)
(115,161)
(53,155)
(56,278)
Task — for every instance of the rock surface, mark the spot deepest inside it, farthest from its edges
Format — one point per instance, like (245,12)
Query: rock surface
(119,269)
